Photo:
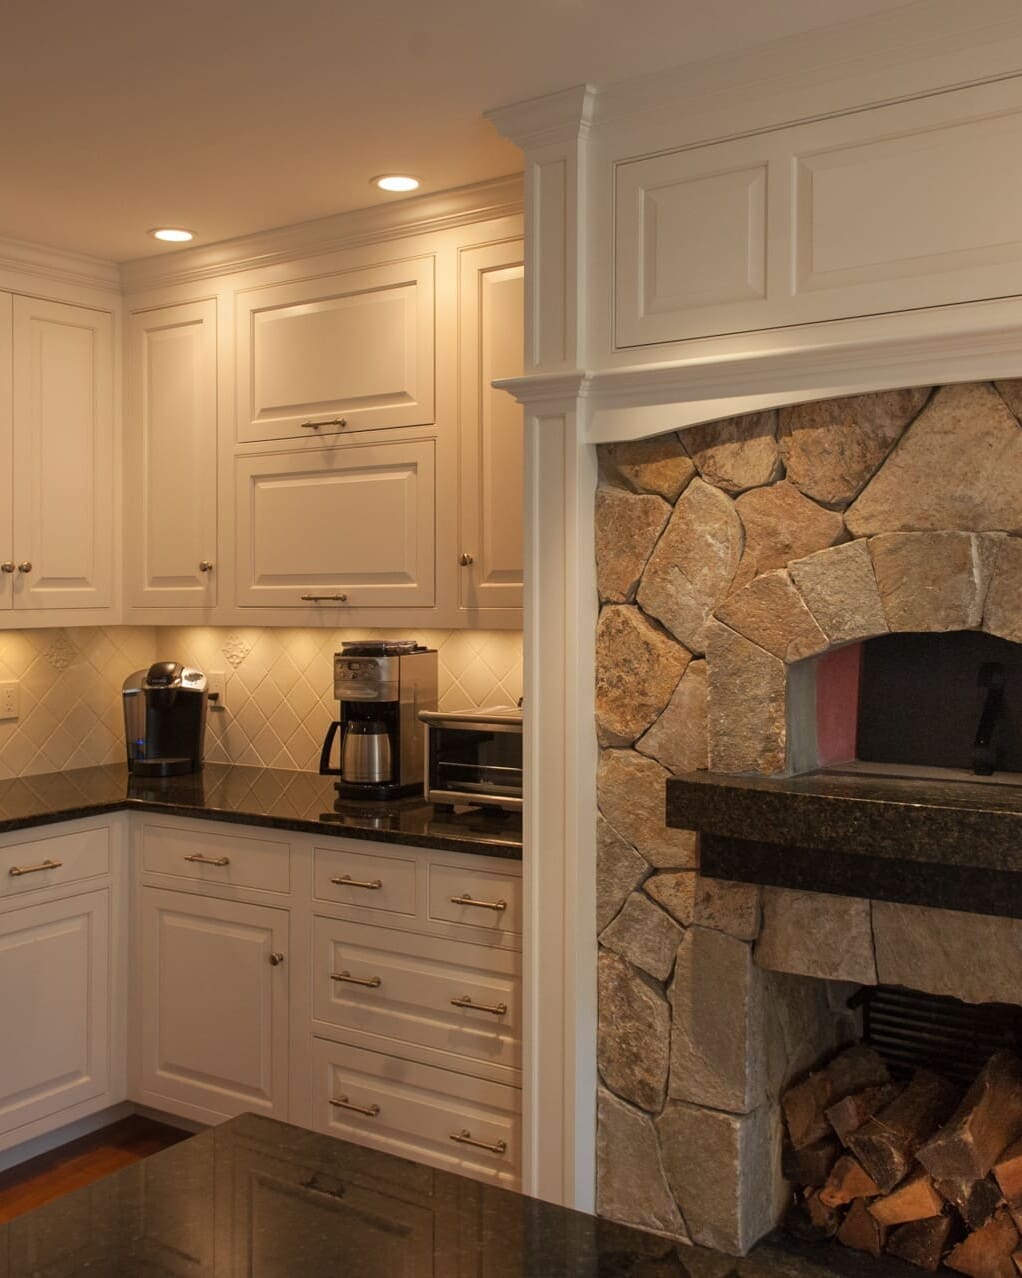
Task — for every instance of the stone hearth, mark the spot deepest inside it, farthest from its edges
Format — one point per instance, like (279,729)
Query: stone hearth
(731,558)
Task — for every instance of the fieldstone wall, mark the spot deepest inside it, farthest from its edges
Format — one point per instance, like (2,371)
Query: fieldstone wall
(726,554)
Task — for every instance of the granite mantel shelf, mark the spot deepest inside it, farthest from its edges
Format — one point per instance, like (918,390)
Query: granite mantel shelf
(948,844)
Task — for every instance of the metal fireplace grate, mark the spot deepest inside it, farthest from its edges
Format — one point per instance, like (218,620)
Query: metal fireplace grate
(911,1031)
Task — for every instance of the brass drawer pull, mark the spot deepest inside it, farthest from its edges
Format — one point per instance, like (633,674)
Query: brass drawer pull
(324,598)
(495,1009)
(371,982)
(330,421)
(465,899)
(373,885)
(199,859)
(16,871)
(464,1137)
(342,1102)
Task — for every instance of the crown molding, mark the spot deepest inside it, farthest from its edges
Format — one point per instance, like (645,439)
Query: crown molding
(417,215)
(565,116)
(545,391)
(39,261)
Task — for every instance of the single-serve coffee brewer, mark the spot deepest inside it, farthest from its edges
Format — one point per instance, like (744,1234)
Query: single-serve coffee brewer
(381,687)
(164,719)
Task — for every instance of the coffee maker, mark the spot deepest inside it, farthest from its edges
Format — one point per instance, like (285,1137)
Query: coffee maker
(164,719)
(381,687)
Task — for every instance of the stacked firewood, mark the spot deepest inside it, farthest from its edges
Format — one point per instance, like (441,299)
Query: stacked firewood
(912,1170)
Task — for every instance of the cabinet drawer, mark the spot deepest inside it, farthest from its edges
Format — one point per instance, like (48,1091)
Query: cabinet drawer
(418,1112)
(370,880)
(43,863)
(476,898)
(414,989)
(263,864)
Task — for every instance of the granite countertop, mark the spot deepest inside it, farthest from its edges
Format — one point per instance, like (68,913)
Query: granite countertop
(259,1196)
(301,801)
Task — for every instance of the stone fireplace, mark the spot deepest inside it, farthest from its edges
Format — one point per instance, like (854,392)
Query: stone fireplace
(739,564)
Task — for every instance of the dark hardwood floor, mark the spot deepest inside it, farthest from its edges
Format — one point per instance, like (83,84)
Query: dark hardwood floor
(81,1162)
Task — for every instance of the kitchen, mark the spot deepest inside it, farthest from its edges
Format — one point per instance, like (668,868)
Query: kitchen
(249,477)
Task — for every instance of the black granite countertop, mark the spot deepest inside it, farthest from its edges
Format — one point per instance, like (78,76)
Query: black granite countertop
(255,1196)
(301,801)
(954,843)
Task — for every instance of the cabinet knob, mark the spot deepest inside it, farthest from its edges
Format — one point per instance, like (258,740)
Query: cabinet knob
(466,559)
(276,958)
(205,565)
(25,567)
(7,566)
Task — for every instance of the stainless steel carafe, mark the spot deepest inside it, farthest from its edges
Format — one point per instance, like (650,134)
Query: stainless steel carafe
(365,753)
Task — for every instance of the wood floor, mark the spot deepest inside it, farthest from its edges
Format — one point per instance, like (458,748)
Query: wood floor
(82,1162)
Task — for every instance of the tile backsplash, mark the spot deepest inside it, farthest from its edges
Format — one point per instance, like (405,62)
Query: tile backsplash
(279,694)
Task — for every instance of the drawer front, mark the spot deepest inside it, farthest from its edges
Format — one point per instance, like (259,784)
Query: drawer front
(44,863)
(227,860)
(417,989)
(372,881)
(483,899)
(418,1111)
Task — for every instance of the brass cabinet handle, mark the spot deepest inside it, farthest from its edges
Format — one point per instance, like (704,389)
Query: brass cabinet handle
(25,567)
(276,958)
(330,421)
(342,1102)
(7,566)
(324,598)
(495,1009)
(16,871)
(371,982)
(373,885)
(465,1137)
(466,560)
(205,565)
(199,859)
(465,899)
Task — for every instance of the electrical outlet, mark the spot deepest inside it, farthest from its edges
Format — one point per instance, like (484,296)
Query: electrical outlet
(216,682)
(9,700)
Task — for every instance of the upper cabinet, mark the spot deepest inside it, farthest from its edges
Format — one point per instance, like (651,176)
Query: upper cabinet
(345,352)
(171,454)
(57,487)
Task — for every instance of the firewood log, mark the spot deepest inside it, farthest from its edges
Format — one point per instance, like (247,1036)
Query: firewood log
(987,1253)
(1017,1258)
(804,1105)
(921,1242)
(1008,1172)
(848,1115)
(860,1231)
(988,1120)
(916,1198)
(826,1220)
(1015,1207)
(810,1166)
(847,1182)
(886,1144)
(975,1200)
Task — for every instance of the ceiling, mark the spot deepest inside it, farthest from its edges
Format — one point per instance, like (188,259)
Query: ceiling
(232,116)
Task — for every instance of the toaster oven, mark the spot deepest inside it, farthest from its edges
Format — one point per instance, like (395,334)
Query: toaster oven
(474,757)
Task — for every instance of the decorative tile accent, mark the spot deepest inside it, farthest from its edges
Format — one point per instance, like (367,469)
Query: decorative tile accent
(235,649)
(61,653)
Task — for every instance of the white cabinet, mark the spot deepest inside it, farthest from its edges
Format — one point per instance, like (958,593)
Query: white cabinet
(346,527)
(55,998)
(171,456)
(491,460)
(214,1005)
(56,453)
(349,351)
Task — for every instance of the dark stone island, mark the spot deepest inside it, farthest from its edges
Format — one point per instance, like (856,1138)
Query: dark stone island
(952,844)
(302,801)
(255,1196)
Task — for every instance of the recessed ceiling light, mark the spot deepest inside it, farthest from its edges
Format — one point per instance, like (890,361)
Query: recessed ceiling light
(172,234)
(396,182)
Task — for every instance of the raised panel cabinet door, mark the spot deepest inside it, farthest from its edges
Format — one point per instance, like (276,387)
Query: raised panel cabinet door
(345,352)
(170,448)
(54,1003)
(63,455)
(6,449)
(492,455)
(213,1004)
(338,528)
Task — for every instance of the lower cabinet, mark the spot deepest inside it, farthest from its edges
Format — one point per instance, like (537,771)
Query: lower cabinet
(213,1020)
(54,993)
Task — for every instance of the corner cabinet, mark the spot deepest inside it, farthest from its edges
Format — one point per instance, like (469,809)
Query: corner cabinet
(56,455)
